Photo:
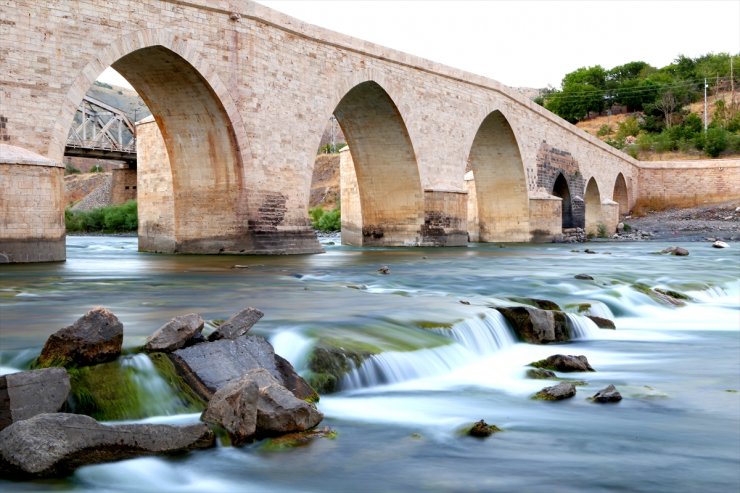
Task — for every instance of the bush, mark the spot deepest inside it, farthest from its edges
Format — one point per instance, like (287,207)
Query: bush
(325,220)
(70,169)
(96,169)
(604,130)
(110,219)
(601,228)
(715,141)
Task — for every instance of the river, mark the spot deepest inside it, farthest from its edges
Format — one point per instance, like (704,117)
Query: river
(398,416)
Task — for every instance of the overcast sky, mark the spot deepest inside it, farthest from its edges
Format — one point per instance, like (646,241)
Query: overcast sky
(532,43)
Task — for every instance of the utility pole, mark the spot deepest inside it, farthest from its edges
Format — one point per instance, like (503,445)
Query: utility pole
(732,85)
(705,104)
(333,133)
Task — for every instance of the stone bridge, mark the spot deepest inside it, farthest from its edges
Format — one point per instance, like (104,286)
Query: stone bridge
(241,95)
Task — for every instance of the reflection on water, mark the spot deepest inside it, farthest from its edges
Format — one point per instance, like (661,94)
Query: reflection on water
(445,363)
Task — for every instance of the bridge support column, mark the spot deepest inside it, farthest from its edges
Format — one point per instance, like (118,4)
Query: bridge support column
(545,216)
(32,214)
(445,218)
(123,186)
(610,215)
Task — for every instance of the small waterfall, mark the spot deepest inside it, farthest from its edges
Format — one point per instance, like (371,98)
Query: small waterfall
(483,335)
(473,339)
(399,366)
(583,327)
(292,346)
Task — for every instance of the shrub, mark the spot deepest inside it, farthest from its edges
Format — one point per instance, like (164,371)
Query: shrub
(70,169)
(96,169)
(325,220)
(601,229)
(715,141)
(110,219)
(604,130)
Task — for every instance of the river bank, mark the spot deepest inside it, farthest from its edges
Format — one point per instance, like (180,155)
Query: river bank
(702,223)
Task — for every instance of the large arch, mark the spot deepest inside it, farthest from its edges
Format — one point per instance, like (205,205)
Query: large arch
(621,194)
(382,197)
(562,190)
(592,203)
(203,136)
(501,199)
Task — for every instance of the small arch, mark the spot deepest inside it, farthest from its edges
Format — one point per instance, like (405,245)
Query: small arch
(621,194)
(501,198)
(384,173)
(561,189)
(592,203)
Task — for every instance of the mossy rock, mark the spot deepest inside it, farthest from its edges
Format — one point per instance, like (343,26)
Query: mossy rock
(479,429)
(327,366)
(295,440)
(538,303)
(428,325)
(663,296)
(115,391)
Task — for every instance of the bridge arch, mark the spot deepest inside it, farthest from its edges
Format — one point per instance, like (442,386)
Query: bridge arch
(592,204)
(203,136)
(561,189)
(382,197)
(500,199)
(621,194)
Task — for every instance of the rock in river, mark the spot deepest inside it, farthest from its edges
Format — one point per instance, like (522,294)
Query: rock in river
(607,394)
(537,326)
(563,390)
(28,393)
(238,325)
(56,444)
(95,338)
(564,363)
(175,334)
(209,366)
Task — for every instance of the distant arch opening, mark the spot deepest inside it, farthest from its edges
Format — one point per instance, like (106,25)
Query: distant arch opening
(382,200)
(560,189)
(592,203)
(500,200)
(620,194)
(189,196)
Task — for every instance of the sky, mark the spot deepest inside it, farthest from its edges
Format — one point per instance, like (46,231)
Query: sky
(531,43)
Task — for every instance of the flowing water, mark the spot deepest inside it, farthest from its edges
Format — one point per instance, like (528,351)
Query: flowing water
(440,364)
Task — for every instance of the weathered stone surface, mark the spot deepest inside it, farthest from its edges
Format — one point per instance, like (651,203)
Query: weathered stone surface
(563,390)
(607,394)
(209,366)
(28,393)
(175,334)
(238,325)
(234,407)
(95,338)
(602,323)
(540,374)
(279,411)
(537,326)
(56,444)
(564,363)
(720,244)
(584,277)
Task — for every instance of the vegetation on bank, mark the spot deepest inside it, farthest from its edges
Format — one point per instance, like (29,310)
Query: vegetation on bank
(659,99)
(110,219)
(325,220)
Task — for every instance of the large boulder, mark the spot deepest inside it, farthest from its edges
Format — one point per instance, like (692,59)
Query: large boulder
(238,325)
(234,408)
(563,390)
(95,338)
(564,363)
(602,323)
(257,404)
(537,326)
(56,444)
(28,393)
(209,366)
(175,334)
(279,412)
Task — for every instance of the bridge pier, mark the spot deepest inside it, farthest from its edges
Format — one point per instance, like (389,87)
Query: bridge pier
(31,194)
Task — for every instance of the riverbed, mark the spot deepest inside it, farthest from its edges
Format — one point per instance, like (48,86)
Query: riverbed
(397,418)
